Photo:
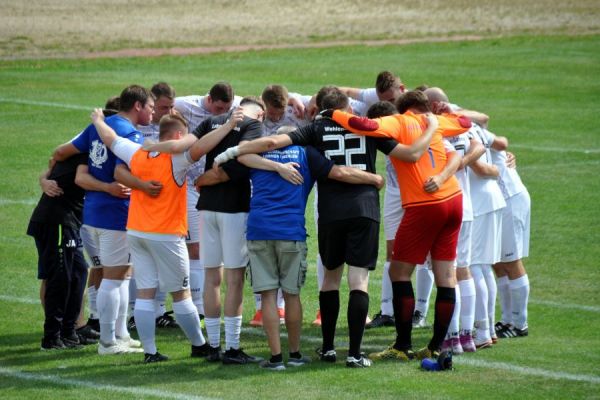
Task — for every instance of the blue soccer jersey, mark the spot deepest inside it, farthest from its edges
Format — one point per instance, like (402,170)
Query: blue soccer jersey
(100,209)
(277,206)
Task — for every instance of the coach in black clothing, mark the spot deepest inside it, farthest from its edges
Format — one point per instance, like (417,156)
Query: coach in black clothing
(55,227)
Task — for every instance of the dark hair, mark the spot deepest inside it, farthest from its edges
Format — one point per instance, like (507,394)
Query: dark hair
(324,91)
(422,88)
(169,123)
(253,100)
(221,91)
(381,109)
(112,103)
(386,80)
(413,99)
(335,100)
(131,94)
(275,96)
(163,89)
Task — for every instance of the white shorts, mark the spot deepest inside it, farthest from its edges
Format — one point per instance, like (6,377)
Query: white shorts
(223,239)
(392,212)
(485,244)
(516,227)
(463,249)
(193,216)
(160,264)
(105,247)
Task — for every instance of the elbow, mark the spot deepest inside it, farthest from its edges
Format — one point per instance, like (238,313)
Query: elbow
(336,173)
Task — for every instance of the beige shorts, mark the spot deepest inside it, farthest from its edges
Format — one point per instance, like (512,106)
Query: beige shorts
(277,264)
(223,239)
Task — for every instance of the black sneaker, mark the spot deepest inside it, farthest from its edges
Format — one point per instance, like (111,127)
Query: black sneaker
(53,344)
(327,356)
(418,320)
(166,321)
(500,326)
(298,362)
(87,332)
(380,320)
(156,357)
(72,341)
(131,324)
(272,366)
(94,324)
(214,354)
(237,356)
(362,362)
(201,351)
(521,332)
(505,331)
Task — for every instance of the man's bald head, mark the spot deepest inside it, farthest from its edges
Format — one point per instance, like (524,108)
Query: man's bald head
(435,94)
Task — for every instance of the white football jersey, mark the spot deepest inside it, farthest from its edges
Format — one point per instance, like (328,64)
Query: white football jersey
(192,109)
(509,180)
(461,144)
(150,132)
(486,195)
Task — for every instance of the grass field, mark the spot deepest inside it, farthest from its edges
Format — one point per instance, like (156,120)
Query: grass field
(542,92)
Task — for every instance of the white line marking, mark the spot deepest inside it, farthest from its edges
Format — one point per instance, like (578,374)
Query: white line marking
(45,104)
(554,149)
(556,304)
(26,202)
(14,299)
(558,165)
(527,370)
(135,391)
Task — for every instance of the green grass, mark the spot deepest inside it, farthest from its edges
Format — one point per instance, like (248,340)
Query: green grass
(541,92)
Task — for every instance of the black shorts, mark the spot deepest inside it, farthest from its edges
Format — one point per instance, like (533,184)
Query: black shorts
(56,246)
(353,241)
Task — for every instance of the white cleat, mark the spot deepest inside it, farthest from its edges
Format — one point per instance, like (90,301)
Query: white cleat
(128,341)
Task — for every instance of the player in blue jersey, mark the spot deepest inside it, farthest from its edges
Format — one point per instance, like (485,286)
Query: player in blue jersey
(105,217)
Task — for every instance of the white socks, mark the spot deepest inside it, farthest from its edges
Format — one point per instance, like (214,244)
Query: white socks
(280,299)
(387,308)
(320,271)
(213,331)
(233,328)
(132,295)
(143,313)
(159,300)
(467,307)
(121,323)
(92,296)
(490,281)
(108,308)
(197,284)
(187,317)
(258,301)
(424,286)
(504,294)
(453,328)
(481,303)
(519,291)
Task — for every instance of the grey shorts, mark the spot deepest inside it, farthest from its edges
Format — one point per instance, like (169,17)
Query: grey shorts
(277,264)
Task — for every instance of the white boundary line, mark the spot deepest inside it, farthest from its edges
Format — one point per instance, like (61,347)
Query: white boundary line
(311,339)
(135,391)
(544,373)
(45,104)
(26,202)
(86,108)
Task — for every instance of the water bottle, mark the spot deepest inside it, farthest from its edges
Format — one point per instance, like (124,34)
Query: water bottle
(443,362)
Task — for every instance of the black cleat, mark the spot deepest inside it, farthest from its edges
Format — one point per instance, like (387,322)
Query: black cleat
(156,357)
(53,344)
(380,320)
(131,324)
(214,354)
(72,341)
(201,351)
(362,362)
(237,356)
(94,323)
(166,321)
(327,356)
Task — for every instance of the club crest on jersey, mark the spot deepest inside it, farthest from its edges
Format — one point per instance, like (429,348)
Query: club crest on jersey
(98,154)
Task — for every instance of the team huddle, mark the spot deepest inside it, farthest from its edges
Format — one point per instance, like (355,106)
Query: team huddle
(178,194)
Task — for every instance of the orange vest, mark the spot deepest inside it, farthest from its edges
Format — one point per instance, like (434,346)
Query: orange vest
(165,214)
(405,128)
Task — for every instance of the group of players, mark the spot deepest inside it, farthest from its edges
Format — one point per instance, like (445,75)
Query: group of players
(181,208)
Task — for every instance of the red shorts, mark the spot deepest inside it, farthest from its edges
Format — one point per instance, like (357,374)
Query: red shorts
(431,228)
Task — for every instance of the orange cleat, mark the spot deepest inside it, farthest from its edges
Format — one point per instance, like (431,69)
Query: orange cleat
(317,321)
(257,320)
